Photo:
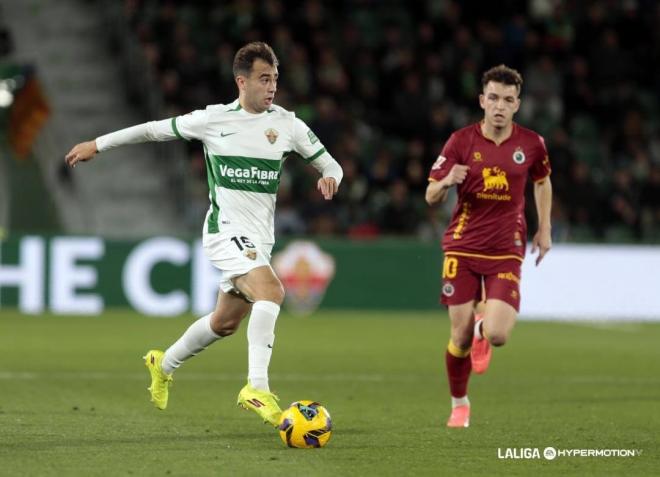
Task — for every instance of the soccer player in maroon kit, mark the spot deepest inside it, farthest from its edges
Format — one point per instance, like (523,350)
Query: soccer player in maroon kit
(484,245)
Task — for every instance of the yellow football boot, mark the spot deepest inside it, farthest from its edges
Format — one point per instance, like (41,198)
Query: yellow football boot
(263,403)
(160,382)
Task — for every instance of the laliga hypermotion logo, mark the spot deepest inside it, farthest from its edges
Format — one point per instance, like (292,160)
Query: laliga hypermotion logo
(306,272)
(494,179)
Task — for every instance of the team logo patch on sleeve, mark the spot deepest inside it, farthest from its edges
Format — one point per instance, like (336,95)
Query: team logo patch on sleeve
(312,137)
(438,163)
(271,135)
(518,156)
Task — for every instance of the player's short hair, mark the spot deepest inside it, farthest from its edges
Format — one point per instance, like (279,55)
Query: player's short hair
(502,74)
(257,50)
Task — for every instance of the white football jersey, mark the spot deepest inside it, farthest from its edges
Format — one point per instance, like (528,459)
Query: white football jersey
(244,156)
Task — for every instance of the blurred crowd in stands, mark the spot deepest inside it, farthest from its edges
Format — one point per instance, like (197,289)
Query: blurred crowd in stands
(384,83)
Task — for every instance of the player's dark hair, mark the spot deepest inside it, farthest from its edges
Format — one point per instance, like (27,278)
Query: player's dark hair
(257,50)
(502,74)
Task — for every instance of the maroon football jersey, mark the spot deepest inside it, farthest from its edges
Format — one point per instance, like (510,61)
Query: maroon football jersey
(489,218)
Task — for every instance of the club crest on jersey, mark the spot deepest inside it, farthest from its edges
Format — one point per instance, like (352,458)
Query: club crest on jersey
(250,253)
(518,156)
(271,135)
(476,157)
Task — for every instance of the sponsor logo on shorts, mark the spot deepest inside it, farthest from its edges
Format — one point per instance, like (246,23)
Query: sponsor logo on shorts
(448,289)
(250,253)
(508,276)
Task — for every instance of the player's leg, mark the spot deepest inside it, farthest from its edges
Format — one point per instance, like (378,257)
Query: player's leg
(460,291)
(458,364)
(223,321)
(501,285)
(261,286)
(230,309)
(481,351)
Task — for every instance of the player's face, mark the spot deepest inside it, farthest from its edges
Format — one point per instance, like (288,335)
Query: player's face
(259,87)
(499,102)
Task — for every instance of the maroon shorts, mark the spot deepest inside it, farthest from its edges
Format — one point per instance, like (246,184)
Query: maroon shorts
(463,275)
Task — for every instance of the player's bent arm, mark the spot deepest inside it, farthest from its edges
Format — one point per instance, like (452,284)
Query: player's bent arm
(436,191)
(331,175)
(328,167)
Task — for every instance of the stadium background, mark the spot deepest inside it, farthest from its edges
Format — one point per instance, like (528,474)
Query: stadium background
(383,84)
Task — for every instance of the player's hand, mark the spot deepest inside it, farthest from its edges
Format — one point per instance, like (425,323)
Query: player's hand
(456,175)
(80,153)
(327,186)
(542,242)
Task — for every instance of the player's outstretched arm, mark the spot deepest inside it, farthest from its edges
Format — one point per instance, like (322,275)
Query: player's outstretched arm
(80,153)
(436,191)
(165,130)
(542,240)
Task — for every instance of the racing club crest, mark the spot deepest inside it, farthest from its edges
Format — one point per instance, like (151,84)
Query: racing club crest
(448,289)
(518,156)
(271,135)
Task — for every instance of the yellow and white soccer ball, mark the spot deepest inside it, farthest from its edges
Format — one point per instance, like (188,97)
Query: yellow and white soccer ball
(305,424)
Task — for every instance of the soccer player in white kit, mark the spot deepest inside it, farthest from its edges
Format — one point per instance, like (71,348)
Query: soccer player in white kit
(245,144)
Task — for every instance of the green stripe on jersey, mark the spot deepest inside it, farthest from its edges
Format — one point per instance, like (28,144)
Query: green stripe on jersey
(212,226)
(316,154)
(176,130)
(250,174)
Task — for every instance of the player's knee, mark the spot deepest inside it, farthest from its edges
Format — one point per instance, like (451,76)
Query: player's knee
(224,327)
(462,340)
(279,293)
(274,292)
(497,339)
(227,330)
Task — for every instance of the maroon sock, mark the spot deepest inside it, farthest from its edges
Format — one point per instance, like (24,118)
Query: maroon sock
(458,372)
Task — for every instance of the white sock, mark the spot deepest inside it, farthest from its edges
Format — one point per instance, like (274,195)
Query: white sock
(195,340)
(477,329)
(261,335)
(462,401)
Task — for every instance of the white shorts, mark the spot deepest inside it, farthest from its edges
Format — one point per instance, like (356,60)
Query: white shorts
(235,254)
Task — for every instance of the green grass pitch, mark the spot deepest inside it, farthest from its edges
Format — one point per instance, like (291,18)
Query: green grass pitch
(73,399)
